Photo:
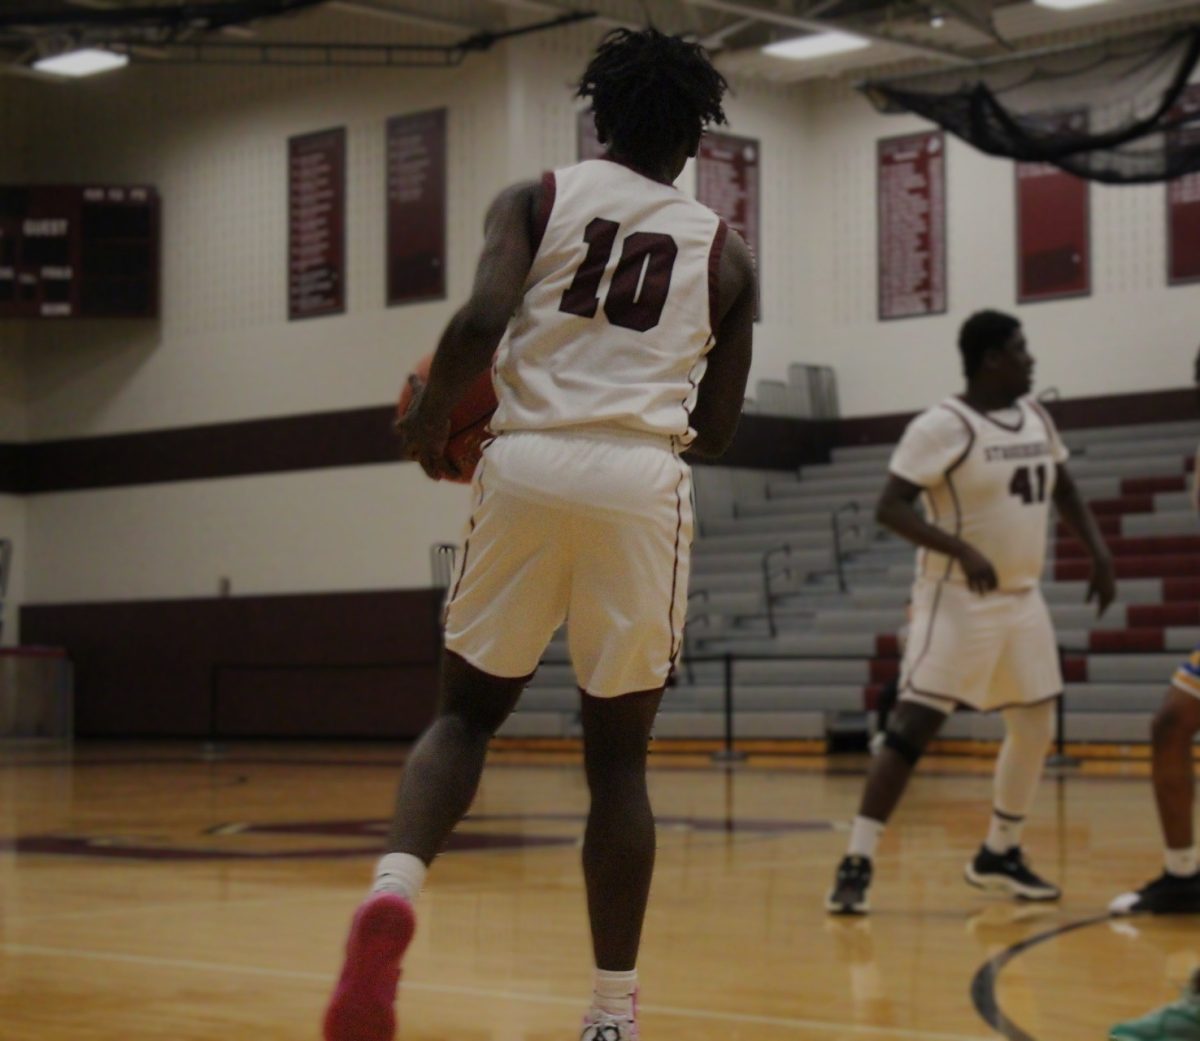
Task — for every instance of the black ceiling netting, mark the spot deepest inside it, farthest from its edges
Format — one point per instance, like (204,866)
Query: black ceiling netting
(1123,111)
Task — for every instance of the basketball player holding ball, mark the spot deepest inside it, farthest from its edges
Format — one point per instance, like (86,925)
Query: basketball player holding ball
(623,313)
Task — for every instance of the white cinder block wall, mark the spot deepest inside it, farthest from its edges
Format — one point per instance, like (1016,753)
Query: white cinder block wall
(213,140)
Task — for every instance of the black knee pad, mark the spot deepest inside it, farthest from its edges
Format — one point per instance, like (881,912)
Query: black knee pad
(903,747)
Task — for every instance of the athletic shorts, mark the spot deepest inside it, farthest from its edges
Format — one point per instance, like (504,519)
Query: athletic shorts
(1187,676)
(594,529)
(988,652)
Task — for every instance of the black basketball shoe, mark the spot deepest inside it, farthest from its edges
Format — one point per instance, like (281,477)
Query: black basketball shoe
(849,893)
(1167,894)
(1009,873)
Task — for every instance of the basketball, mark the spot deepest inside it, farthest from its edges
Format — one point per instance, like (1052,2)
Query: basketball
(468,419)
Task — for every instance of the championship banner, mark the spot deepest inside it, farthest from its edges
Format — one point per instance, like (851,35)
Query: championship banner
(1053,227)
(911,200)
(416,207)
(727,182)
(317,224)
(1183,202)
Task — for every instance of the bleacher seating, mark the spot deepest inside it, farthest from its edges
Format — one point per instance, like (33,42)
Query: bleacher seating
(1116,668)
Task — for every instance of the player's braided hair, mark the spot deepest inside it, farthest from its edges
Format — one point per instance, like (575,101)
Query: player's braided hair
(984,331)
(651,92)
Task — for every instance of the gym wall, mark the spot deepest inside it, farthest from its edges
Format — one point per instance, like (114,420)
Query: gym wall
(1133,333)
(213,140)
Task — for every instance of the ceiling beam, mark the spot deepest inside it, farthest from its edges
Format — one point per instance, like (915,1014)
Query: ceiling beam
(718,37)
(375,9)
(812,25)
(546,7)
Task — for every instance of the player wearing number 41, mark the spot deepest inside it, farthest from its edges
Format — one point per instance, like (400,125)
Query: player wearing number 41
(623,312)
(988,463)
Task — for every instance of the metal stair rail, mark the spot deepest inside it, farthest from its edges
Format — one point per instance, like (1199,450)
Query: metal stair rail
(692,619)
(6,553)
(767,575)
(839,555)
(442,557)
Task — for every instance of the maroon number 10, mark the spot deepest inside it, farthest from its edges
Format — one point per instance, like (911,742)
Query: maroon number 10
(640,284)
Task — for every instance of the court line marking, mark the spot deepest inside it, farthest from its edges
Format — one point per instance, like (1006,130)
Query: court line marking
(710,1015)
(984,984)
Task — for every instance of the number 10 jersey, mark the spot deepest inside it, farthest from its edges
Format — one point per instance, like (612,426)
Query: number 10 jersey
(619,307)
(989,479)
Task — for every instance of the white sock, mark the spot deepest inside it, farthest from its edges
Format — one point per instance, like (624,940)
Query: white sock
(400,873)
(864,837)
(1004,832)
(1181,862)
(614,991)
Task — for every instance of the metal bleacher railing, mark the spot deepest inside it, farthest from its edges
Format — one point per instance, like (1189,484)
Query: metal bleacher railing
(442,556)
(6,554)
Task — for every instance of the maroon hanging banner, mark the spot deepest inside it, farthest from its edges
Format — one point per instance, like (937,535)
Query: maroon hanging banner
(911,199)
(587,144)
(727,182)
(1053,226)
(317,224)
(1183,204)
(416,207)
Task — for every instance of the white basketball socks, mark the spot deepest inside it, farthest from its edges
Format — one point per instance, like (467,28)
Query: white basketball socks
(1029,731)
(864,837)
(400,873)
(1004,832)
(613,992)
(1181,862)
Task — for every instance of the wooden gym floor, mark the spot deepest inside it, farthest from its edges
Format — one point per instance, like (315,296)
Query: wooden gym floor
(150,894)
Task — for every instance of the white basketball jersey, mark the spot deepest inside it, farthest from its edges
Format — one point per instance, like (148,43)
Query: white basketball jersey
(989,479)
(618,312)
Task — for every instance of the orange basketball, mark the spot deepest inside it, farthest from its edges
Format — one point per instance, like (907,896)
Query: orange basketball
(468,419)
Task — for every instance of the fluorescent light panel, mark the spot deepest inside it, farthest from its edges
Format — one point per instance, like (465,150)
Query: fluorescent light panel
(1068,5)
(86,61)
(819,45)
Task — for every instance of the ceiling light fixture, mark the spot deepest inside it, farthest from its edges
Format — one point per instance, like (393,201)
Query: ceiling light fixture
(85,61)
(1067,5)
(818,45)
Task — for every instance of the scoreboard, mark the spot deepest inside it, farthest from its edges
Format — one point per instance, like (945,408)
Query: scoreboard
(79,251)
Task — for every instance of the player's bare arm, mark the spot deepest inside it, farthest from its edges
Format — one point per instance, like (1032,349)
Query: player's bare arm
(471,337)
(897,511)
(1102,586)
(723,389)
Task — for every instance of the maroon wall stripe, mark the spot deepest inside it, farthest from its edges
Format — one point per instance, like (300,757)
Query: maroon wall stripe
(355,437)
(14,475)
(1112,410)
(325,439)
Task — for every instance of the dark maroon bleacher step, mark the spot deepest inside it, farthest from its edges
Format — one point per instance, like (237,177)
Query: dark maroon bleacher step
(1161,566)
(1142,546)
(1179,589)
(1163,615)
(1153,485)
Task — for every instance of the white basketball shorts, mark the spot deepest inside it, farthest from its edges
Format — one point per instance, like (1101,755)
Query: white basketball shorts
(593,528)
(989,652)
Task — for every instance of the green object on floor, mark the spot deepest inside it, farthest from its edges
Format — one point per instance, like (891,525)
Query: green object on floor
(1178,1021)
